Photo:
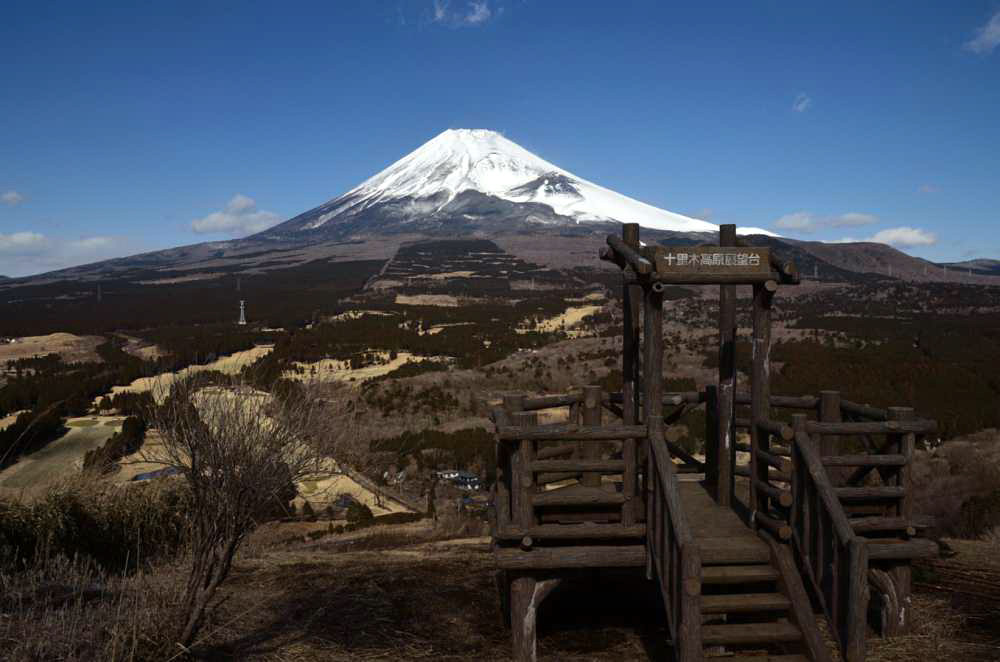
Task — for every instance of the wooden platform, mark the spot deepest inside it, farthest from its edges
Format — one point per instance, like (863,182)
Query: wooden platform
(721,536)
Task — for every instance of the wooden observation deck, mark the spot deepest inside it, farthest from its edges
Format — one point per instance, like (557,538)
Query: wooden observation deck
(812,516)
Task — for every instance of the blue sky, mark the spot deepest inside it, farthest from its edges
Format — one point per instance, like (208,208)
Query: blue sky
(122,126)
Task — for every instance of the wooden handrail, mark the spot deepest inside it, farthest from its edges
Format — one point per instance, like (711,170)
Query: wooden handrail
(917,426)
(834,555)
(671,549)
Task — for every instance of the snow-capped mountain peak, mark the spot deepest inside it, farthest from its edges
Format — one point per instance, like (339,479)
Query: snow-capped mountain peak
(457,172)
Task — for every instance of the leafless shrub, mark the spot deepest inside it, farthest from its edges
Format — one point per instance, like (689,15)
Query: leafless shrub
(241,451)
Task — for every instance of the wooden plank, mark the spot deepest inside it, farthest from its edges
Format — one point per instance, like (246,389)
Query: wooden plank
(918,548)
(864,460)
(743,603)
(871,524)
(875,492)
(570,432)
(732,551)
(745,634)
(738,574)
(577,495)
(608,466)
(583,531)
(526,455)
(550,401)
(917,426)
(577,556)
(554,451)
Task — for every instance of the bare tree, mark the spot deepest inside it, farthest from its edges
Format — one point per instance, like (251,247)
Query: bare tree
(242,451)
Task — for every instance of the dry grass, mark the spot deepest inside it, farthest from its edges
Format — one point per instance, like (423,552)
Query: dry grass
(71,610)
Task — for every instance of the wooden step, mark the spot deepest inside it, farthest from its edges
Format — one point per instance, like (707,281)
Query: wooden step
(866,493)
(864,460)
(760,658)
(738,574)
(877,524)
(733,603)
(918,548)
(741,634)
(577,495)
(733,551)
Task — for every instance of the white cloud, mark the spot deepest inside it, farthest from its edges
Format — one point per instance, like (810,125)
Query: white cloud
(12,198)
(25,253)
(905,236)
(23,243)
(472,14)
(240,217)
(902,237)
(800,220)
(806,222)
(987,37)
(852,219)
(802,102)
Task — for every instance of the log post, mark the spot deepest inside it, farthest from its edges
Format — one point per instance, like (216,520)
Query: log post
(631,299)
(524,511)
(760,390)
(727,378)
(652,396)
(527,592)
(506,480)
(591,416)
(712,459)
(829,412)
(901,572)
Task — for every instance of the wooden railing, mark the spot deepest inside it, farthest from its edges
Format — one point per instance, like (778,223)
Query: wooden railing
(834,557)
(671,551)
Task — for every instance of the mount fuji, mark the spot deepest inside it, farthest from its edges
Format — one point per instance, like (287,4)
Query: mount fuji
(476,180)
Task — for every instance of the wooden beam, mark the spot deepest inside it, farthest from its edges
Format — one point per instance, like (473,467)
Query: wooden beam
(577,556)
(570,432)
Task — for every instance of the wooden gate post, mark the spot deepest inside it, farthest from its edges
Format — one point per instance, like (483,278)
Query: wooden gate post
(652,393)
(631,300)
(760,391)
(727,379)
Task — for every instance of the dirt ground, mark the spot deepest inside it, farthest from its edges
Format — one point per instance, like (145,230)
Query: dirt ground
(390,594)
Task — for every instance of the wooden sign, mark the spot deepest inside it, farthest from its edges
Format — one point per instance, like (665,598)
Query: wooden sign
(711,260)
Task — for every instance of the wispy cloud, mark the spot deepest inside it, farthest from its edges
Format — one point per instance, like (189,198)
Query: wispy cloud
(470,14)
(239,217)
(802,102)
(806,222)
(11,198)
(24,253)
(901,237)
(987,37)
(23,243)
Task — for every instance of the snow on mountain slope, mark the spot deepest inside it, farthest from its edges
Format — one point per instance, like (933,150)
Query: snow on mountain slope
(484,161)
